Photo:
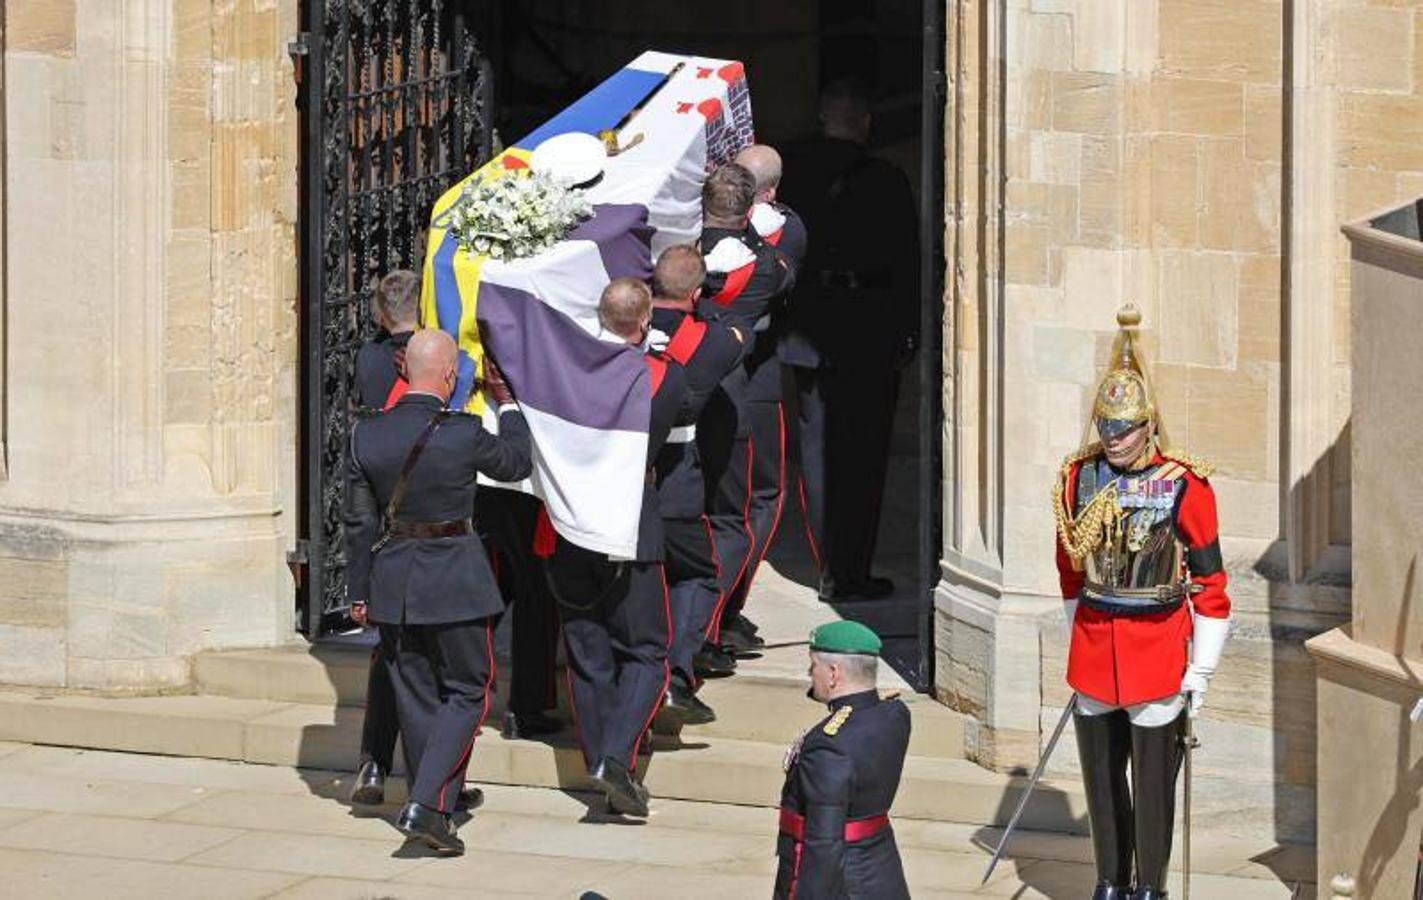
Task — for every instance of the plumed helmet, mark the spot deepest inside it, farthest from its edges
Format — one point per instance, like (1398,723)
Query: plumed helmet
(1123,399)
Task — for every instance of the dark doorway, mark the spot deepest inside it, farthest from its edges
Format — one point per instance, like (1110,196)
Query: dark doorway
(547,53)
(400,100)
(394,103)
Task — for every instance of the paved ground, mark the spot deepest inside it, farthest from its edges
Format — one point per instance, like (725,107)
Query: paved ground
(85,823)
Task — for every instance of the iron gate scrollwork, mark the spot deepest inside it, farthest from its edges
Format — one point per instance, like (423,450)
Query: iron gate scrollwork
(396,104)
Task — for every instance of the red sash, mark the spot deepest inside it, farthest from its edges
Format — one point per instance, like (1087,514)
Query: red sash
(687,339)
(658,369)
(397,391)
(793,824)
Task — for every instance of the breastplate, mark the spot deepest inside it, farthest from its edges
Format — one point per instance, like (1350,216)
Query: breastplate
(1144,553)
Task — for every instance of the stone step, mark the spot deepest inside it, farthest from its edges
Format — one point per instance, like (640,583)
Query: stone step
(712,769)
(752,708)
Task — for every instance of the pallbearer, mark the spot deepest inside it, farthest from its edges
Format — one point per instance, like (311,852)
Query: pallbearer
(841,776)
(1141,573)
(415,560)
(746,285)
(617,624)
(706,351)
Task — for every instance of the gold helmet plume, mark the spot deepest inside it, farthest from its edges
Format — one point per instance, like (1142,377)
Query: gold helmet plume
(1123,398)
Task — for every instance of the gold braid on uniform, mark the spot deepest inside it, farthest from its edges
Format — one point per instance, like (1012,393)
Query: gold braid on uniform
(1200,467)
(1097,524)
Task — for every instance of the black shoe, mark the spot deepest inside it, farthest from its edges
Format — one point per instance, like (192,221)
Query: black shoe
(1108,891)
(745,628)
(686,706)
(625,795)
(735,642)
(1148,893)
(519,726)
(431,826)
(369,786)
(469,800)
(712,662)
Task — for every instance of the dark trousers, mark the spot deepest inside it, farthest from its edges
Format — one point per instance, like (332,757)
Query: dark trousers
(616,628)
(765,421)
(441,674)
(692,591)
(845,424)
(724,444)
(381,725)
(507,520)
(1135,823)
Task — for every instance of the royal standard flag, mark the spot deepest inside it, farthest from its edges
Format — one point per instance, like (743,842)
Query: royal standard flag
(587,397)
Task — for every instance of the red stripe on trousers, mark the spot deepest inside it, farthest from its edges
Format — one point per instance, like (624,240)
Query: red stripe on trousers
(780,505)
(805,520)
(572,696)
(483,714)
(666,670)
(713,630)
(750,539)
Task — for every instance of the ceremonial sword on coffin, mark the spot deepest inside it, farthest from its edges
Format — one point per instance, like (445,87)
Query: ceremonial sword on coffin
(1028,791)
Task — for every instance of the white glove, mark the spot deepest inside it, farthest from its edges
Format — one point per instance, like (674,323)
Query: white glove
(1207,645)
(1069,613)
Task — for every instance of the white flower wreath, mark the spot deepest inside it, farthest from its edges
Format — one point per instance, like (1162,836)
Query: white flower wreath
(516,215)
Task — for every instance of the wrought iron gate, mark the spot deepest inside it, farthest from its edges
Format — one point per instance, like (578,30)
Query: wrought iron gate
(396,103)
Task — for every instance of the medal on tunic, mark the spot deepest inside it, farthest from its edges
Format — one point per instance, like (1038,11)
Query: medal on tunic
(793,752)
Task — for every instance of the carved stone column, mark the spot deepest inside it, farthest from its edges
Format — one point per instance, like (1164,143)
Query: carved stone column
(142,519)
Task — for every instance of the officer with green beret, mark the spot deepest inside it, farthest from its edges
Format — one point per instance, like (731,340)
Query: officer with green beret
(841,776)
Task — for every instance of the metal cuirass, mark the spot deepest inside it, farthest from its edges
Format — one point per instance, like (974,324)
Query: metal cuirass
(1139,568)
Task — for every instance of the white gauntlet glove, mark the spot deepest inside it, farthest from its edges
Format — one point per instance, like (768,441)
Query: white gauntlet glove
(1207,644)
(1069,612)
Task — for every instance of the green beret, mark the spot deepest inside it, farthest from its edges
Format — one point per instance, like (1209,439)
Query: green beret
(844,637)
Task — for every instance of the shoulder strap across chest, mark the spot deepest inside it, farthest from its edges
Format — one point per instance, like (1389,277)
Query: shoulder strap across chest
(403,481)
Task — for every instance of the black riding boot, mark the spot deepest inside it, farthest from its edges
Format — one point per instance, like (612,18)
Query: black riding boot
(1104,746)
(1156,755)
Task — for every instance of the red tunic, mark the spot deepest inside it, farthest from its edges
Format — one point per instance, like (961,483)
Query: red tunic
(1123,660)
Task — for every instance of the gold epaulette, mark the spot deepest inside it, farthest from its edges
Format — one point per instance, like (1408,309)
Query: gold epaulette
(1072,459)
(1096,522)
(1060,488)
(1200,467)
(837,721)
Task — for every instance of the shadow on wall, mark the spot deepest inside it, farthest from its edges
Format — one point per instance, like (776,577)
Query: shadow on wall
(1297,611)
(1383,842)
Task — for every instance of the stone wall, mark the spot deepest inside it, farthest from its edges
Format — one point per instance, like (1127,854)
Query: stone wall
(150,188)
(1194,157)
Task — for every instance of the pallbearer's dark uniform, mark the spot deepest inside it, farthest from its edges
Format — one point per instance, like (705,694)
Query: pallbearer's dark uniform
(706,351)
(854,315)
(425,576)
(747,281)
(616,618)
(380,383)
(779,226)
(841,777)
(509,519)
(380,370)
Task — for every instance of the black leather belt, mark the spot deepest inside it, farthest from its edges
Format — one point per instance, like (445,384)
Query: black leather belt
(1119,601)
(403,530)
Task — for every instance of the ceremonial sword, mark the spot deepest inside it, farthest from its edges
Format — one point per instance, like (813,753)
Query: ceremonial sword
(1032,783)
(1191,742)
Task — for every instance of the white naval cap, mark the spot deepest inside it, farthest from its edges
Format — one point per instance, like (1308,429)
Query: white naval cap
(572,158)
